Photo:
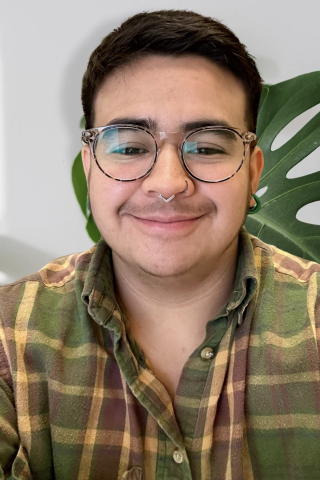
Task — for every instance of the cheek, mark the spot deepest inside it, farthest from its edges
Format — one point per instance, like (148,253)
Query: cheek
(106,198)
(106,192)
(231,199)
(231,194)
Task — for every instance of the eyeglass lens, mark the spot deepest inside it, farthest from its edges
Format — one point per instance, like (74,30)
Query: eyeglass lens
(128,153)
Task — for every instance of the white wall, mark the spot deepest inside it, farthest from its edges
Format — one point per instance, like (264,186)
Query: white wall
(44,49)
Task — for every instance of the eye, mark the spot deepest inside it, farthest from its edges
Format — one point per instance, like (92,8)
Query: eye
(207,151)
(129,151)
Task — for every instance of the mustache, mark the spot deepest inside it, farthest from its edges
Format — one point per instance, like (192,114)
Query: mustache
(178,207)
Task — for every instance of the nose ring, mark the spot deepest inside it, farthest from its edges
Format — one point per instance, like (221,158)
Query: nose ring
(172,196)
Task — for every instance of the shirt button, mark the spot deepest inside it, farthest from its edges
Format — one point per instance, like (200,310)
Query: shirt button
(207,353)
(177,456)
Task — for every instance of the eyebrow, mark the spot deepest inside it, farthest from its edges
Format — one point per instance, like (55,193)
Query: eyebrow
(184,127)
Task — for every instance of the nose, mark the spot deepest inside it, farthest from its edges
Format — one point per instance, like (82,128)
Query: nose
(168,177)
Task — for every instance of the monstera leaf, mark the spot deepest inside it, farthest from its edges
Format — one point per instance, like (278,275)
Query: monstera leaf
(276,222)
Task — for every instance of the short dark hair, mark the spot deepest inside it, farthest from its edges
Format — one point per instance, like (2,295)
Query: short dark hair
(171,33)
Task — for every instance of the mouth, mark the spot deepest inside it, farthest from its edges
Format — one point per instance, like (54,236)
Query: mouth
(168,222)
(168,218)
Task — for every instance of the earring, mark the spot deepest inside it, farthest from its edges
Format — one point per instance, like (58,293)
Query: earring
(257,205)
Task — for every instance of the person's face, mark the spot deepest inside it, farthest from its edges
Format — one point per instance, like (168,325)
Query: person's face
(200,226)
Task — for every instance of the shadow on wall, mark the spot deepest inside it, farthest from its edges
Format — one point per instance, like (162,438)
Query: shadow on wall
(18,259)
(72,80)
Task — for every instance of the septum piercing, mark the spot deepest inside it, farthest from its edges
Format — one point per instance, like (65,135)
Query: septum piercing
(172,196)
(166,199)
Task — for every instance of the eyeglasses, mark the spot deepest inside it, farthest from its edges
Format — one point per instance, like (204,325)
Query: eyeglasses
(128,152)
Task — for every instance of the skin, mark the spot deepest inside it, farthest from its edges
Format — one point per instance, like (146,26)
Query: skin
(183,251)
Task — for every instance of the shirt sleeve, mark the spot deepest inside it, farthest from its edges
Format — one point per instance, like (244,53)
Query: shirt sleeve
(13,458)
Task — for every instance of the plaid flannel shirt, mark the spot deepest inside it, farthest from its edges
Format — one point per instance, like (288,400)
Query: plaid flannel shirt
(77,400)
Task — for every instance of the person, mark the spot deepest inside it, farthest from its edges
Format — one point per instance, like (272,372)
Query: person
(179,346)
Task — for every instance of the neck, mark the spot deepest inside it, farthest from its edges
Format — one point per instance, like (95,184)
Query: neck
(168,316)
(193,297)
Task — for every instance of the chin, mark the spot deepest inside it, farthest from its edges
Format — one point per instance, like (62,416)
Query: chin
(165,271)
(162,266)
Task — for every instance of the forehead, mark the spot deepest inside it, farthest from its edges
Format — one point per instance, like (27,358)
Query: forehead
(171,91)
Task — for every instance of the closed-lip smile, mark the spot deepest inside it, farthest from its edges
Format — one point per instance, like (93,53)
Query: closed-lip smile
(168,218)
(167,223)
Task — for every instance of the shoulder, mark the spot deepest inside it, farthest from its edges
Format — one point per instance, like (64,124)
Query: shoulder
(288,292)
(283,263)
(56,275)
(62,270)
(57,272)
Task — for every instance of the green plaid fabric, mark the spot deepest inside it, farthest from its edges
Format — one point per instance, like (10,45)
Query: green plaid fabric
(77,400)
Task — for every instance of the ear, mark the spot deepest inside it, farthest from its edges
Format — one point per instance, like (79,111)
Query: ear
(255,168)
(86,160)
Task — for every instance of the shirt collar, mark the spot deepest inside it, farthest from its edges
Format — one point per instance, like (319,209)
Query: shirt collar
(98,291)
(246,276)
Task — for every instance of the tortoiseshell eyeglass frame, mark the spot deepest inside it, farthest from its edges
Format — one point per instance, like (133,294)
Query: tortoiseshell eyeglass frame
(90,136)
